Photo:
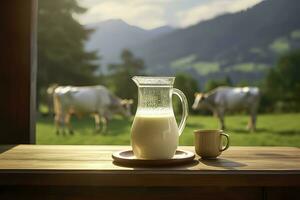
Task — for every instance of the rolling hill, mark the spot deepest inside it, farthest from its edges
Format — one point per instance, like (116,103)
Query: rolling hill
(241,45)
(111,36)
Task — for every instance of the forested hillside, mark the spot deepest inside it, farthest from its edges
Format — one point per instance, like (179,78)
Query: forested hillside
(242,45)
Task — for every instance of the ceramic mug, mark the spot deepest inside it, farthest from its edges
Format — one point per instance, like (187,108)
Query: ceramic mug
(209,143)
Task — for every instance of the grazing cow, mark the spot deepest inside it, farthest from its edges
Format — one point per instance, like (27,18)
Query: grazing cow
(94,100)
(224,99)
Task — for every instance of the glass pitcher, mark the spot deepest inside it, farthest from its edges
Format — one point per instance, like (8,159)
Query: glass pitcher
(154,132)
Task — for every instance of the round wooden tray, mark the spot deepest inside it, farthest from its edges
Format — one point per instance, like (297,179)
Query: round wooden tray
(127,158)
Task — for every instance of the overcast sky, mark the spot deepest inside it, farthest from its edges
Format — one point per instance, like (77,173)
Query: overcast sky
(154,13)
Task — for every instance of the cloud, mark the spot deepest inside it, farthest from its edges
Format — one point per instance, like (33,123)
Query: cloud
(154,13)
(212,9)
(144,13)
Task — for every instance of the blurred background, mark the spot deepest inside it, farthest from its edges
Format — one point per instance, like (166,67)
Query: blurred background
(204,43)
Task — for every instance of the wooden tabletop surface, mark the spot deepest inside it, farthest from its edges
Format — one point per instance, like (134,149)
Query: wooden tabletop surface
(92,165)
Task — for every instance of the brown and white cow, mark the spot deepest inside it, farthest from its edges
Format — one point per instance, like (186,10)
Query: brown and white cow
(92,100)
(223,99)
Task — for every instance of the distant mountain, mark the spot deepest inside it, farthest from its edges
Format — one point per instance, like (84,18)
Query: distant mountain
(241,45)
(111,36)
(160,31)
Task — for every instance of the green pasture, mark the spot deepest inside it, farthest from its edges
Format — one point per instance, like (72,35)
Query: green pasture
(203,68)
(248,67)
(272,130)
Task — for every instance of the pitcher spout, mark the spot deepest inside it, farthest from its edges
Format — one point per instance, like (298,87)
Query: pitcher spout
(136,80)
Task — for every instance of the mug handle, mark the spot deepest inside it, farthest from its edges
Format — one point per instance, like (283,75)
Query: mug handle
(185,111)
(227,141)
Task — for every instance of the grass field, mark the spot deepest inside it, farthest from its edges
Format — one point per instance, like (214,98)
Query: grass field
(272,130)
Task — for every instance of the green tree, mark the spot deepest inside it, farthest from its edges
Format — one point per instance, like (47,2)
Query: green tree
(188,85)
(243,83)
(213,83)
(61,55)
(283,82)
(121,74)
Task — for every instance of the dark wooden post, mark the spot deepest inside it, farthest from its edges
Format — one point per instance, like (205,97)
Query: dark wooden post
(18,19)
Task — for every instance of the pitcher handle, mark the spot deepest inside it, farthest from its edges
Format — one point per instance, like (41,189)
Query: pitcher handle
(185,111)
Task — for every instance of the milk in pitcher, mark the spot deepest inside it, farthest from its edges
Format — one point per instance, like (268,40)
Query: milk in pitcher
(154,136)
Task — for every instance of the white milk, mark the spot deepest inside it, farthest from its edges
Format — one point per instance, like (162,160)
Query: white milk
(154,136)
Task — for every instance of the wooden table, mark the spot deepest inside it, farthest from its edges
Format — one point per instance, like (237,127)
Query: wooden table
(87,172)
